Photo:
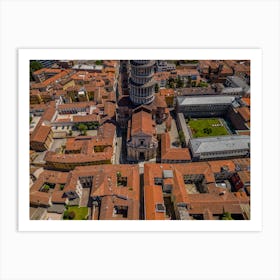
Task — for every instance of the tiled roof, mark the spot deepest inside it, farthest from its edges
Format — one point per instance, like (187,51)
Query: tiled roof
(40,133)
(244,112)
(142,123)
(166,92)
(168,153)
(85,145)
(106,188)
(216,201)
(86,118)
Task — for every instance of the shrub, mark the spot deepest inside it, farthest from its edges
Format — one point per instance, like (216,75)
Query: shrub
(66,215)
(71,215)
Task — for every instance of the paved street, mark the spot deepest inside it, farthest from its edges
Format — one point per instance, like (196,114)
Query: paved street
(173,133)
(118,148)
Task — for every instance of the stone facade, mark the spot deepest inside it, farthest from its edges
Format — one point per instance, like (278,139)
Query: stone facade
(141,139)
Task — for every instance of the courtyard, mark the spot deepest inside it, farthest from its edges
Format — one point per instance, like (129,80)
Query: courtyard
(207,127)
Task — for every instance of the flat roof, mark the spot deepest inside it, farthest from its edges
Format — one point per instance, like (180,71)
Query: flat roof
(221,143)
(205,100)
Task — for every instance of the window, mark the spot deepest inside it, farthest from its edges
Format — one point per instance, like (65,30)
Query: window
(158,181)
(160,207)
(120,211)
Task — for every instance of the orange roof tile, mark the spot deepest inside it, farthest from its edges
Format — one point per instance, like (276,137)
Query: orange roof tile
(142,122)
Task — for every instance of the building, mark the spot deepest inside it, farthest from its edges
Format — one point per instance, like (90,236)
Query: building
(204,106)
(237,82)
(208,148)
(76,107)
(47,189)
(193,191)
(239,118)
(85,150)
(164,65)
(41,137)
(110,192)
(142,85)
(46,63)
(173,155)
(141,137)
(113,191)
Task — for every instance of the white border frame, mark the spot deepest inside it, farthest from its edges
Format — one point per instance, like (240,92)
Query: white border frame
(25,55)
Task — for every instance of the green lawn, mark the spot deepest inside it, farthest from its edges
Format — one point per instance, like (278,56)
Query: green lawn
(206,128)
(80,212)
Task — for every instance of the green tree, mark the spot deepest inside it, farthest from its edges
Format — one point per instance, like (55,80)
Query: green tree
(227,216)
(181,136)
(156,88)
(71,215)
(66,215)
(34,66)
(70,132)
(180,83)
(207,130)
(98,62)
(83,128)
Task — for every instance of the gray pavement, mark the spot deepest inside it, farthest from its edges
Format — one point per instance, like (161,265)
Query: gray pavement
(173,133)
(57,143)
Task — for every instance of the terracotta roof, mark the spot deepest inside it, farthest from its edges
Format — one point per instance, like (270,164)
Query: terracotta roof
(217,165)
(106,188)
(153,195)
(51,79)
(142,123)
(85,145)
(244,112)
(168,153)
(86,118)
(47,70)
(159,101)
(57,197)
(244,176)
(76,105)
(40,133)
(215,201)
(247,101)
(49,112)
(40,198)
(166,92)
(110,109)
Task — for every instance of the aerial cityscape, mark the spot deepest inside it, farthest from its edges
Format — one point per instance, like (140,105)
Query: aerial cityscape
(139,140)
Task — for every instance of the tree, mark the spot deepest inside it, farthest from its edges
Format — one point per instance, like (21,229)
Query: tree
(66,215)
(180,83)
(83,128)
(207,130)
(71,215)
(70,132)
(98,62)
(156,88)
(181,136)
(227,216)
(34,66)
(30,119)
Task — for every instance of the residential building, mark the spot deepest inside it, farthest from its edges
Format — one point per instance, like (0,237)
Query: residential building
(41,137)
(85,150)
(192,191)
(171,154)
